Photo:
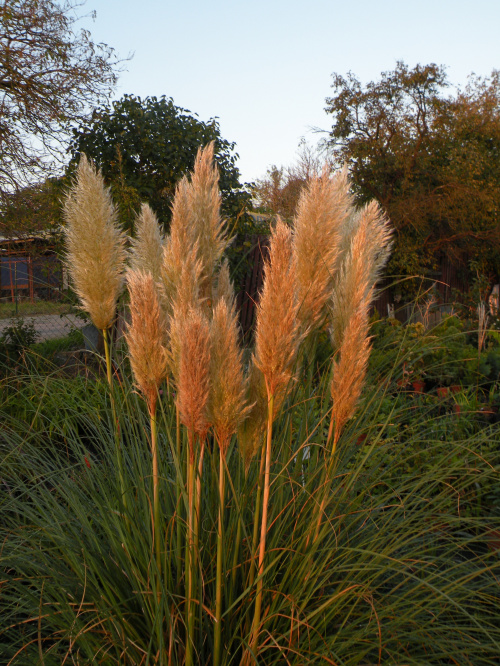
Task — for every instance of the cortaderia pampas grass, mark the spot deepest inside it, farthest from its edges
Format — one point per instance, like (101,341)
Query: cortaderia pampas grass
(277,338)
(193,390)
(226,410)
(95,245)
(323,209)
(145,338)
(147,246)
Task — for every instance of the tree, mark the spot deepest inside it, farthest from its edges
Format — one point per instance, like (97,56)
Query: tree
(431,159)
(278,193)
(144,147)
(50,75)
(33,209)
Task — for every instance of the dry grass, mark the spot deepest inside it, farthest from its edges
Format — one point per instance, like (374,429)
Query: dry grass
(95,245)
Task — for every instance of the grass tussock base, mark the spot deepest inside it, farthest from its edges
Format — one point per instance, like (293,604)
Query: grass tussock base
(396,575)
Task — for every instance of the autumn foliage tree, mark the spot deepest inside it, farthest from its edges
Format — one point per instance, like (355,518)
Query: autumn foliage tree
(431,158)
(278,192)
(51,74)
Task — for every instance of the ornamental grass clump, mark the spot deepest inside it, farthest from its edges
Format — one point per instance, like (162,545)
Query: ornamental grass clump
(268,520)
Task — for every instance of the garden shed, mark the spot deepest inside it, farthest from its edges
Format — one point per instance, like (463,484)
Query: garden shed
(31,267)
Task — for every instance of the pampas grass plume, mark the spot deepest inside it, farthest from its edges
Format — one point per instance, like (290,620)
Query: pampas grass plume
(147,246)
(362,266)
(193,384)
(323,209)
(180,262)
(224,289)
(207,225)
(145,335)
(277,328)
(95,245)
(350,371)
(227,407)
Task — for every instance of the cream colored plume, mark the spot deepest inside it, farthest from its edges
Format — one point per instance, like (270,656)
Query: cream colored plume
(145,335)
(95,245)
(224,289)
(362,266)
(207,226)
(180,251)
(277,332)
(350,371)
(323,210)
(193,385)
(197,235)
(186,298)
(147,246)
(227,403)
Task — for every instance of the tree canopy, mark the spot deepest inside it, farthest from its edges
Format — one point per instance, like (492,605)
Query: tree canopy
(278,193)
(50,75)
(145,146)
(431,158)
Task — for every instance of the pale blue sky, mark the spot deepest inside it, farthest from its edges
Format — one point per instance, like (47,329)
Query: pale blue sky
(264,67)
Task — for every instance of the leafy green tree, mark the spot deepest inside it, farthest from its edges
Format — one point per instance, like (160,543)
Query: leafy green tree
(430,158)
(51,74)
(145,146)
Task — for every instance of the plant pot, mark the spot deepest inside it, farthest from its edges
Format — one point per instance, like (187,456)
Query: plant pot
(418,386)
(442,391)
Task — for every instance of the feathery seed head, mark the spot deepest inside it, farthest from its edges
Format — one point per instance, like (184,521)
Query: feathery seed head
(178,246)
(145,335)
(350,371)
(95,245)
(225,289)
(193,385)
(228,387)
(186,297)
(206,223)
(323,209)
(369,250)
(147,246)
(277,333)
